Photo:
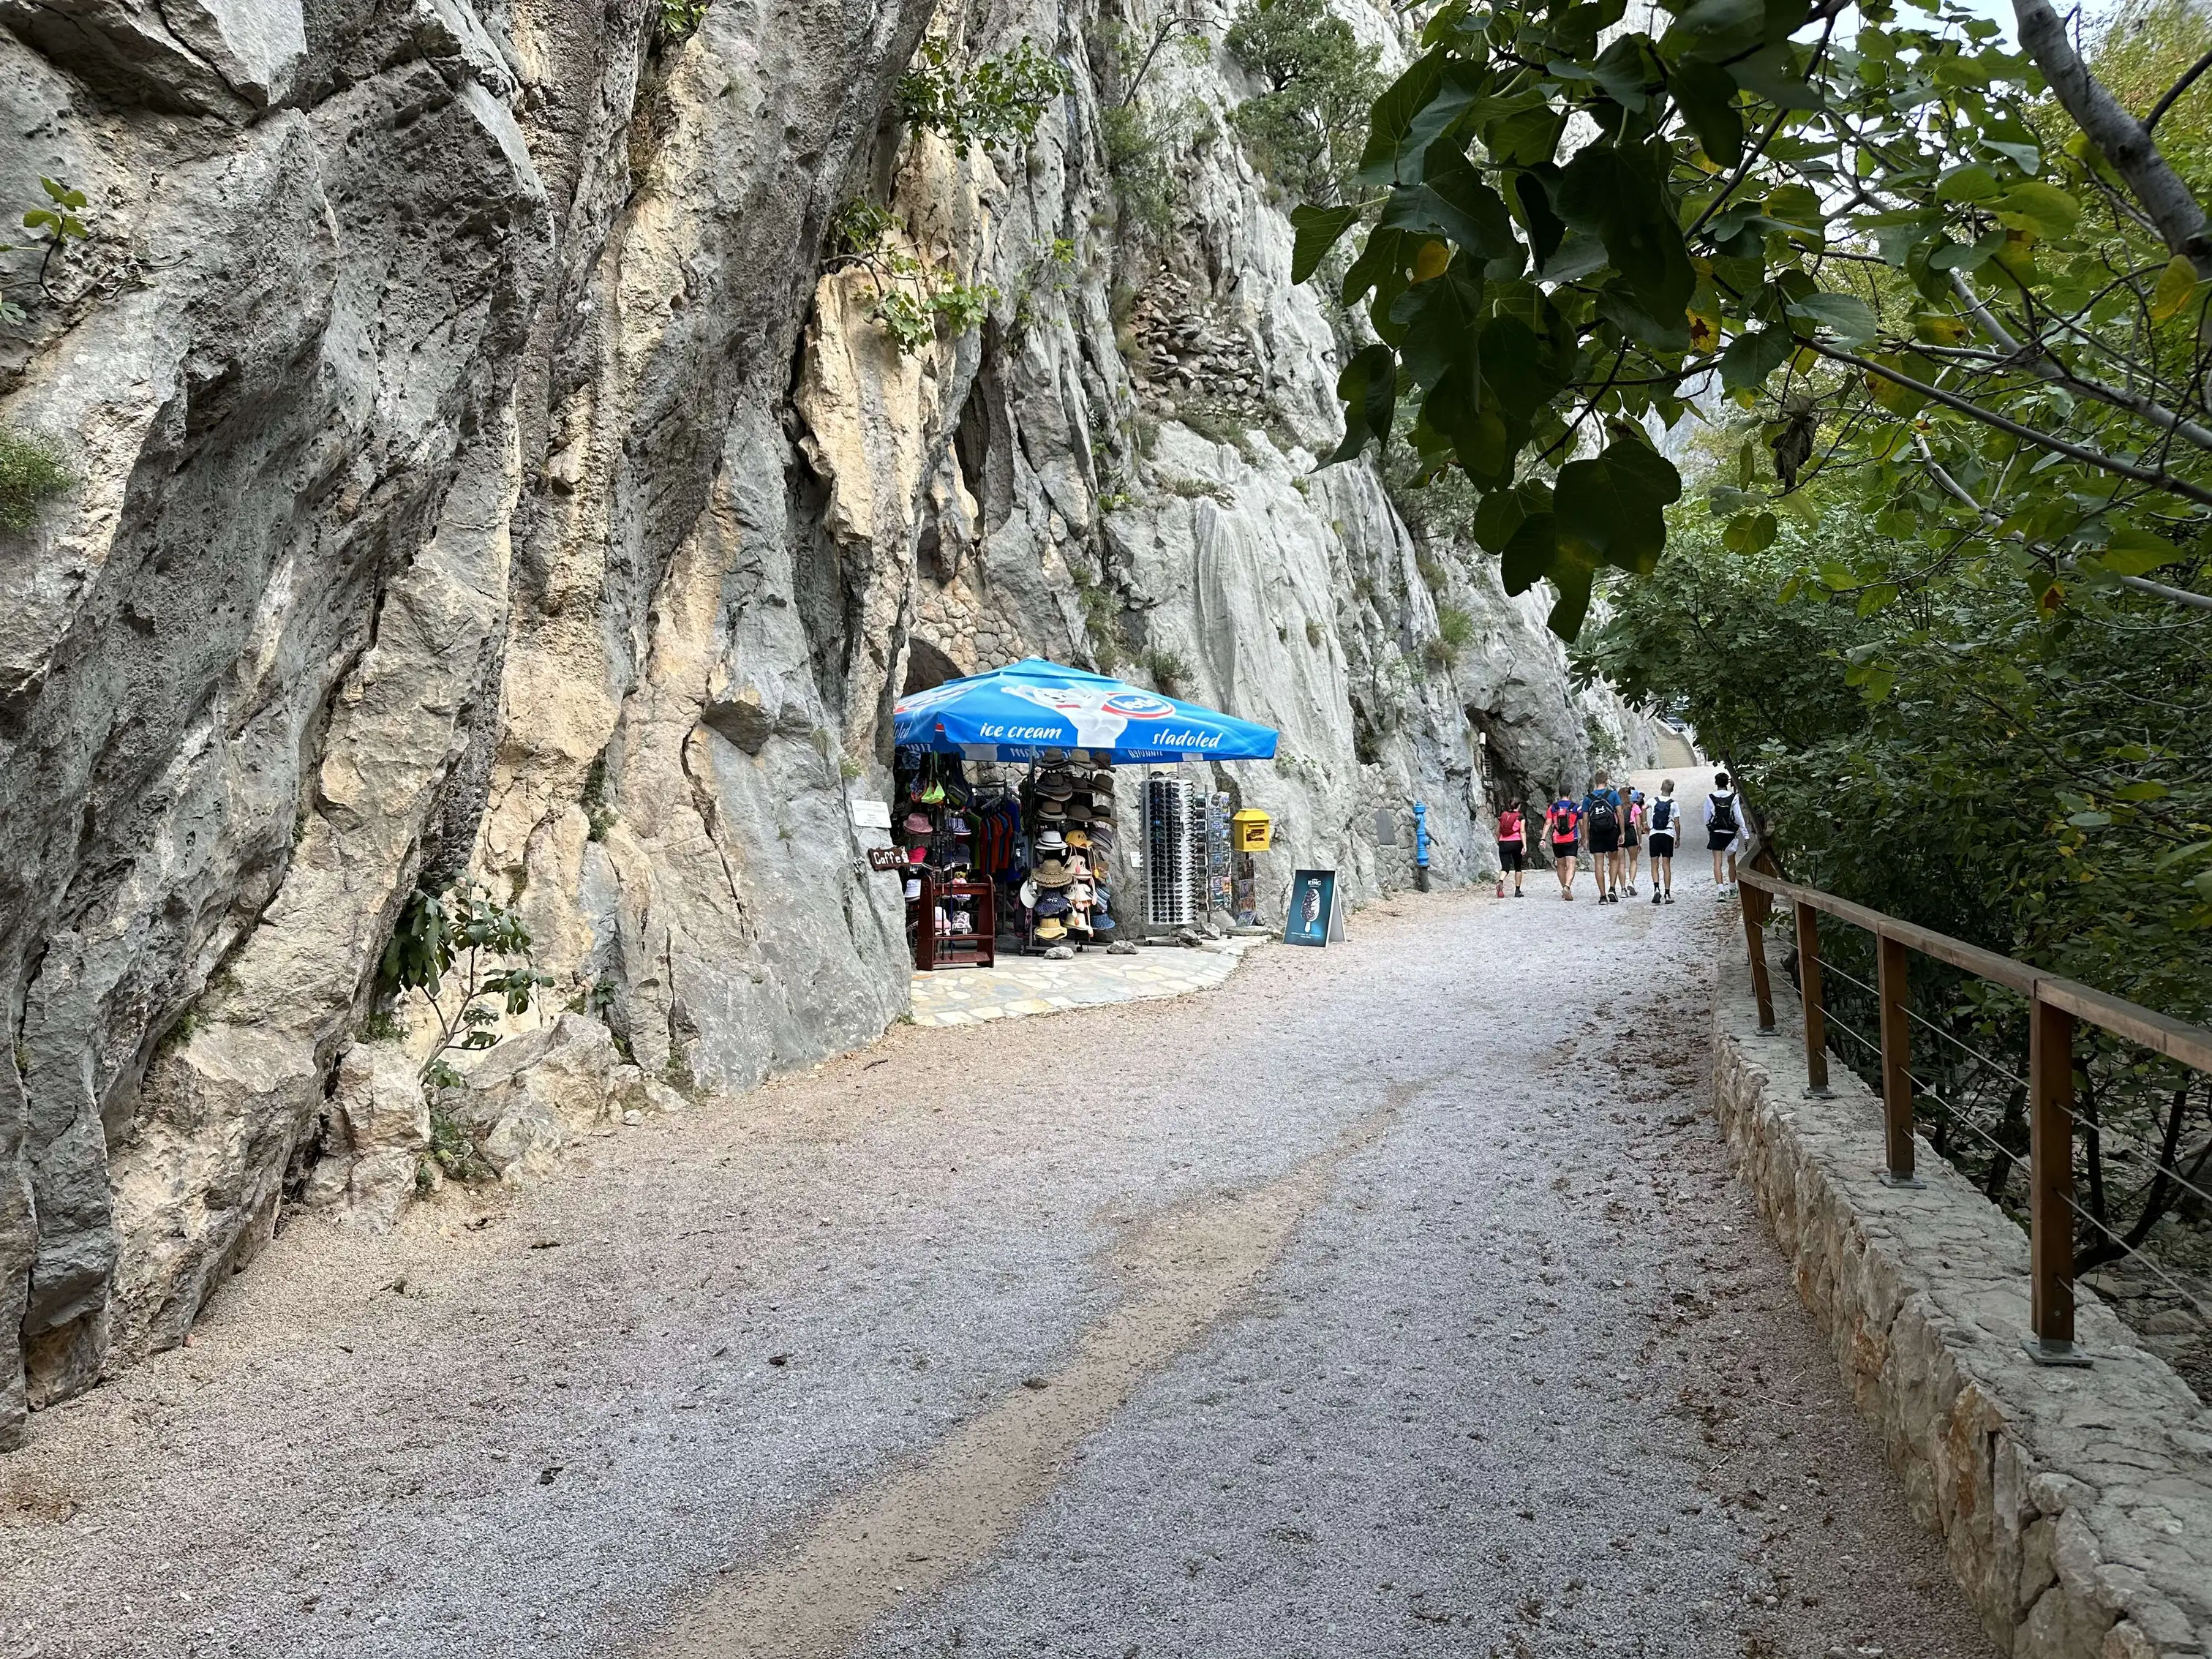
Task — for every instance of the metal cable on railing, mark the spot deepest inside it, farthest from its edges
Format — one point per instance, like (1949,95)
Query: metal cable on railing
(1990,1060)
(2055,1007)
(2148,1263)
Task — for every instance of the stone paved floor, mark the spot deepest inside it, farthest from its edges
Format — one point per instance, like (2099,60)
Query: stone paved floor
(1033,985)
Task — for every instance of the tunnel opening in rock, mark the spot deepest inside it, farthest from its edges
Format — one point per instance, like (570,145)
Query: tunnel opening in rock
(927,667)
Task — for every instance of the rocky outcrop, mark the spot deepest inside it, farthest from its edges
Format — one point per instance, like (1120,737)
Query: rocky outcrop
(481,472)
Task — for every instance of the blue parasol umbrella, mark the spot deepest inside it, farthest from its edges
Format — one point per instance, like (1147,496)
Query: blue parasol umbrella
(1016,713)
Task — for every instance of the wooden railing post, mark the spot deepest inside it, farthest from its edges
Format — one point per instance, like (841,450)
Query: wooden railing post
(1809,987)
(2050,1184)
(1754,940)
(1891,984)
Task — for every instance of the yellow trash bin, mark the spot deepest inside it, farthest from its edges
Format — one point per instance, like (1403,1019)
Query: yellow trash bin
(1248,831)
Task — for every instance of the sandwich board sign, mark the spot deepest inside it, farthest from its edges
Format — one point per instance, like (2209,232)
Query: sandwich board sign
(1313,918)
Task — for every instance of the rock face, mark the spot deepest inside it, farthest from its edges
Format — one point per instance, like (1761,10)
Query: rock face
(482,471)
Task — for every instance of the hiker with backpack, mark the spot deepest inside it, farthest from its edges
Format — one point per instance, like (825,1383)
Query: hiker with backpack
(1563,821)
(1662,824)
(1601,812)
(1632,833)
(1723,829)
(1512,846)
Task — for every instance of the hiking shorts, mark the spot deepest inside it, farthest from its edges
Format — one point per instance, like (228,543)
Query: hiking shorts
(1663,844)
(1628,839)
(1719,841)
(1509,855)
(1605,841)
(1565,849)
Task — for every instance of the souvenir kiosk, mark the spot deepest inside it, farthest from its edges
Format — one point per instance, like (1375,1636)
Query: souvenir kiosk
(1008,804)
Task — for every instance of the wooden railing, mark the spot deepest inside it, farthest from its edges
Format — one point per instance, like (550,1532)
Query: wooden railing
(2054,1005)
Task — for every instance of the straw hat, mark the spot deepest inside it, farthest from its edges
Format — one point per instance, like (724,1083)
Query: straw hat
(1051,872)
(1051,927)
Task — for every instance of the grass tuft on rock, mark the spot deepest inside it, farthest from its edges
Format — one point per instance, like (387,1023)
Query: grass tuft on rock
(33,470)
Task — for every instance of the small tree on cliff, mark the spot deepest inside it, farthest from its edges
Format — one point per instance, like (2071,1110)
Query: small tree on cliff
(465,936)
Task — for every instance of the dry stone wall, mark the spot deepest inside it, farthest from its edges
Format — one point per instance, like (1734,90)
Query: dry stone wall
(481,475)
(2075,1504)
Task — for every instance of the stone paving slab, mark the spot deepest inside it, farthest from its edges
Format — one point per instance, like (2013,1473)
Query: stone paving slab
(1020,986)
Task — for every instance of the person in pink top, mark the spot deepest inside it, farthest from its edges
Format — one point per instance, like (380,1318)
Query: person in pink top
(1512,846)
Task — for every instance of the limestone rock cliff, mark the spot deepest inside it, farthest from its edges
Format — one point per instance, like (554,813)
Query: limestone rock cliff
(481,471)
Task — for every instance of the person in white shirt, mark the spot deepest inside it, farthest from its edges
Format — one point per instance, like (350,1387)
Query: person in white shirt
(1724,829)
(1663,827)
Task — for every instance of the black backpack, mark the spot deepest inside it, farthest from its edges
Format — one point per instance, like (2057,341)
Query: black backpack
(1723,815)
(1663,818)
(1603,814)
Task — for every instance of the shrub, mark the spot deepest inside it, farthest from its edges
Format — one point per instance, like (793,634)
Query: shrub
(679,19)
(1305,131)
(995,104)
(1169,670)
(33,471)
(1455,627)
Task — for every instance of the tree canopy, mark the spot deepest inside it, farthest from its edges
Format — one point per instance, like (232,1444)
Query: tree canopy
(1967,281)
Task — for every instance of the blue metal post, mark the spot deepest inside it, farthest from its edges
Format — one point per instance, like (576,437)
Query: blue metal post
(1420,847)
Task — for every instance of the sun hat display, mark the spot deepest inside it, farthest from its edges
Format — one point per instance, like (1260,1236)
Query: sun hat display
(1051,927)
(1078,838)
(1051,872)
(957,825)
(1050,844)
(913,887)
(918,823)
(1053,756)
(1056,783)
(1102,923)
(1029,895)
(917,855)
(1079,893)
(1053,904)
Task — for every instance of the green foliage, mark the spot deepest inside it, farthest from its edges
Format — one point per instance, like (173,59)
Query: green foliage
(382,1026)
(1897,253)
(59,222)
(452,1148)
(912,299)
(991,104)
(599,816)
(1147,135)
(1455,627)
(465,936)
(1169,670)
(2037,784)
(33,470)
(1304,131)
(679,19)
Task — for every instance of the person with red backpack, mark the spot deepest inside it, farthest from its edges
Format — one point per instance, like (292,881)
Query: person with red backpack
(1512,844)
(1563,823)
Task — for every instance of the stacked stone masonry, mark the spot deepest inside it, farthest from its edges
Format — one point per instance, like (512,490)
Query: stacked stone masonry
(2075,1504)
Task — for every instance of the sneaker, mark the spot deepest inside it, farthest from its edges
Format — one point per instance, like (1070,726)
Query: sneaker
(1670,898)
(1631,889)
(1517,893)
(1501,889)
(1567,894)
(1655,898)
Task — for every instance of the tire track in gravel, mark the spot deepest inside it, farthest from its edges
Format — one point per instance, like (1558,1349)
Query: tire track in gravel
(920,1525)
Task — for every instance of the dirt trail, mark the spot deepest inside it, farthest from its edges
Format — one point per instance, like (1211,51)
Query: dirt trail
(1391,1299)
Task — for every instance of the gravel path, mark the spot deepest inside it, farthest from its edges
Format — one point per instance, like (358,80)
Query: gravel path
(1390,1299)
